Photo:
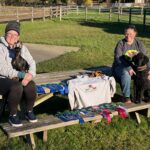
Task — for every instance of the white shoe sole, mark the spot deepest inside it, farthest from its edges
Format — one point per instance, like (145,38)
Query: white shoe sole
(32,121)
(15,125)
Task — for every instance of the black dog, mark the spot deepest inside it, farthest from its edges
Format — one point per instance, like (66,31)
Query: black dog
(141,83)
(19,63)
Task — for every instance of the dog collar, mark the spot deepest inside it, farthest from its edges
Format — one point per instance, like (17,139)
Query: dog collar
(141,68)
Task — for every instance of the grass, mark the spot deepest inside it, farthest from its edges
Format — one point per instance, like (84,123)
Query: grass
(96,39)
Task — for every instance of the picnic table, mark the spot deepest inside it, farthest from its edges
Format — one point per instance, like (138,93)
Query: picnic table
(52,122)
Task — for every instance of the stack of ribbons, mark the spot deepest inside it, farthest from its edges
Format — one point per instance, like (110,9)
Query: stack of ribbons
(61,88)
(104,110)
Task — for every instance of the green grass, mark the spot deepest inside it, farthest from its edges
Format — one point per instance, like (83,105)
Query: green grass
(96,39)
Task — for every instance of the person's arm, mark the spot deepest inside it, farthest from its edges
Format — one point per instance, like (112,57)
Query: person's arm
(28,57)
(32,66)
(6,68)
(141,47)
(118,56)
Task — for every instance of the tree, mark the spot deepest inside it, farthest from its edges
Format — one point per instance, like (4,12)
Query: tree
(88,2)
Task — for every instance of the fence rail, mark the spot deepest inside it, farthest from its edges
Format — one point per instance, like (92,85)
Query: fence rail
(31,13)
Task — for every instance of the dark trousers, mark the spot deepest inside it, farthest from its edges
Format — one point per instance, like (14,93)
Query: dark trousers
(14,92)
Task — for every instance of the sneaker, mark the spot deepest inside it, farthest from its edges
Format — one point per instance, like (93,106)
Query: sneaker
(15,121)
(31,117)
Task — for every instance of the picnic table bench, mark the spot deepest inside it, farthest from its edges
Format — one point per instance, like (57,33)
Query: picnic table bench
(52,122)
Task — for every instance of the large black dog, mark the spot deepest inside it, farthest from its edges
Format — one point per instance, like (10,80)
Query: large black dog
(141,83)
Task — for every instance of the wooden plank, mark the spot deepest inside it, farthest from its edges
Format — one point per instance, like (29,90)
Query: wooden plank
(138,117)
(42,98)
(48,123)
(44,124)
(45,136)
(32,141)
(57,76)
(135,107)
(148,112)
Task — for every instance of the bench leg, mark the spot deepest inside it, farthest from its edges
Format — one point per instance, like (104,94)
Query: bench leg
(138,117)
(148,112)
(45,136)
(30,139)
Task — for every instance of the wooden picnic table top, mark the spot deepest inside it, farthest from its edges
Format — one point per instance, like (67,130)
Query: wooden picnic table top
(65,75)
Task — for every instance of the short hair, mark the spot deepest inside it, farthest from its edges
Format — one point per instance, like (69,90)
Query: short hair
(130,27)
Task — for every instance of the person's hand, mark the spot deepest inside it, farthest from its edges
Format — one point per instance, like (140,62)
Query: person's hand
(148,75)
(131,72)
(28,77)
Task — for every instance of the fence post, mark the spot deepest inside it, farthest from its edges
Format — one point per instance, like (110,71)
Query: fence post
(144,19)
(99,9)
(118,14)
(43,13)
(77,9)
(51,12)
(142,10)
(121,10)
(130,13)
(32,15)
(67,10)
(110,11)
(17,15)
(86,13)
(56,11)
(60,13)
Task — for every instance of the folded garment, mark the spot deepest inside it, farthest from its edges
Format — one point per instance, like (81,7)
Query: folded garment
(68,116)
(42,90)
(65,88)
(86,112)
(122,111)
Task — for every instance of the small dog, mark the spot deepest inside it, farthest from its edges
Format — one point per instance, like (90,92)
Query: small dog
(19,63)
(141,83)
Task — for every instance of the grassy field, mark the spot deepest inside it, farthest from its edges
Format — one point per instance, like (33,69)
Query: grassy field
(96,39)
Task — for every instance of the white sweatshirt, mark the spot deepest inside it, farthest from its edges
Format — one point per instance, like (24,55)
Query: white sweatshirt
(84,92)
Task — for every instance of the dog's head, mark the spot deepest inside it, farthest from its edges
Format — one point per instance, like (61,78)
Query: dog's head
(140,60)
(19,63)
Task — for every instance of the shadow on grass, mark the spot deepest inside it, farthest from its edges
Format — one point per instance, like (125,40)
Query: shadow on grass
(53,105)
(117,27)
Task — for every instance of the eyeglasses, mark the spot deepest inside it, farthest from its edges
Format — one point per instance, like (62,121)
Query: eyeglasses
(12,35)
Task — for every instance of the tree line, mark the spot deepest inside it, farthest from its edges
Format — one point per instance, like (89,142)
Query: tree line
(32,2)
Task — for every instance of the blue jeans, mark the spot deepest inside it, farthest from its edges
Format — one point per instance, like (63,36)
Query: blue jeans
(122,76)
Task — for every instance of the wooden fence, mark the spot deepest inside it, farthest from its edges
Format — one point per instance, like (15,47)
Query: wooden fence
(126,14)
(31,13)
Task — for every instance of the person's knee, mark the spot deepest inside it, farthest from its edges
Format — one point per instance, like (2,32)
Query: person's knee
(31,87)
(126,76)
(31,84)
